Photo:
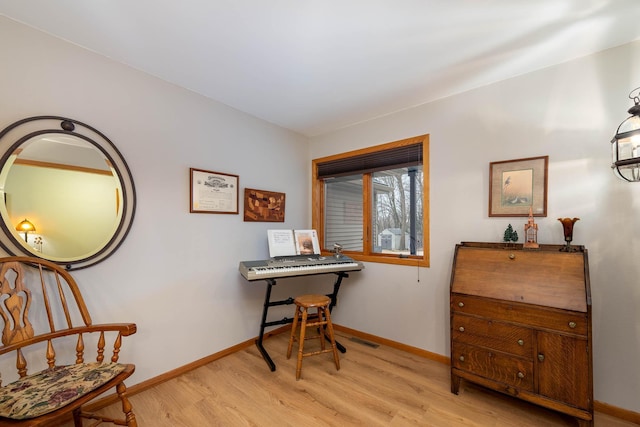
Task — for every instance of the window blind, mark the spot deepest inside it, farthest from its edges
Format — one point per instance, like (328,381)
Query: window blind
(397,157)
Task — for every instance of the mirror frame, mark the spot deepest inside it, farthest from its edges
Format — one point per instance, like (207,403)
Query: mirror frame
(14,135)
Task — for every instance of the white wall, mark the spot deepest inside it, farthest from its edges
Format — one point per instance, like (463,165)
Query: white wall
(568,112)
(176,274)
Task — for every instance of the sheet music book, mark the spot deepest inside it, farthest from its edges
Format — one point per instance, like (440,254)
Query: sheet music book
(293,242)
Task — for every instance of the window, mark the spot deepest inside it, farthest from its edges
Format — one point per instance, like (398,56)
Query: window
(374,202)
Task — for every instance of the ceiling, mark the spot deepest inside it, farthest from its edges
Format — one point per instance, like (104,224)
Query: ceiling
(315,66)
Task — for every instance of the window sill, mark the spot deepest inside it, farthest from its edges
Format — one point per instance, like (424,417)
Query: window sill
(412,261)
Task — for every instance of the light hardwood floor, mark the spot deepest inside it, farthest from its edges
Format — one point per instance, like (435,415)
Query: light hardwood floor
(376,386)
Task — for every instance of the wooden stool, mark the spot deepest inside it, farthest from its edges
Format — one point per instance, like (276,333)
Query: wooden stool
(322,320)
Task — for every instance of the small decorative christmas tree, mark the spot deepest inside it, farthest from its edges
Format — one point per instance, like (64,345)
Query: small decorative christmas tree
(510,235)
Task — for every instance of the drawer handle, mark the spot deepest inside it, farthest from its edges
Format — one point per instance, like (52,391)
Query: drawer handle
(520,342)
(461,328)
(461,358)
(541,357)
(512,256)
(572,325)
(460,304)
(520,375)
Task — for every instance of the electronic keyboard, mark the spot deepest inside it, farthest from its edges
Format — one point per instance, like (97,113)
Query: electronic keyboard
(297,265)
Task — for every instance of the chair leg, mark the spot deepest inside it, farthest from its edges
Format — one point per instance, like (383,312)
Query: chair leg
(292,337)
(77,419)
(332,338)
(303,328)
(130,417)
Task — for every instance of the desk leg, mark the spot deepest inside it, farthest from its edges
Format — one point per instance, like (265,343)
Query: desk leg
(263,351)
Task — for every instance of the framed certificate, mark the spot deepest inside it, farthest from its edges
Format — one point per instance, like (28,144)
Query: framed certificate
(213,192)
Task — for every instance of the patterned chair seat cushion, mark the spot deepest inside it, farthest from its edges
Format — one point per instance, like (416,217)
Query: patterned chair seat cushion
(48,390)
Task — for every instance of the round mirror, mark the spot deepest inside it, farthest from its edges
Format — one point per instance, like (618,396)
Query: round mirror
(66,192)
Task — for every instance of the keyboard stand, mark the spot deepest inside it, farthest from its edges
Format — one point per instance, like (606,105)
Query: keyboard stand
(268,303)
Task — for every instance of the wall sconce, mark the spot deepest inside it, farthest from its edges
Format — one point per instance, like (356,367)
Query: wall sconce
(25,226)
(626,143)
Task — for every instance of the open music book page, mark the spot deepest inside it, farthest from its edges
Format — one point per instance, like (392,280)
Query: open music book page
(292,242)
(306,242)
(281,243)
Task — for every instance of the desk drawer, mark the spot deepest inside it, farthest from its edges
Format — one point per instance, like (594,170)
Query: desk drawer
(492,334)
(531,315)
(494,365)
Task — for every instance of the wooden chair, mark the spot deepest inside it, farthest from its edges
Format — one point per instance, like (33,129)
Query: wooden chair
(44,318)
(320,320)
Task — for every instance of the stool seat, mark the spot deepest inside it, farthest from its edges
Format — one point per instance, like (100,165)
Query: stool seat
(309,301)
(321,319)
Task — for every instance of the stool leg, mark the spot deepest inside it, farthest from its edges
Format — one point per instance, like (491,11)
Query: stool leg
(322,317)
(303,329)
(332,338)
(292,337)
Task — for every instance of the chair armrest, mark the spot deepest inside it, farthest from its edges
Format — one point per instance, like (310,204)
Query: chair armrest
(125,329)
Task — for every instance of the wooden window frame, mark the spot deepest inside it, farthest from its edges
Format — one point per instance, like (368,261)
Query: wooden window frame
(318,203)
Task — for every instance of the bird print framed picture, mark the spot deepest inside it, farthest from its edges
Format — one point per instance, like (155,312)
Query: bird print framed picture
(517,186)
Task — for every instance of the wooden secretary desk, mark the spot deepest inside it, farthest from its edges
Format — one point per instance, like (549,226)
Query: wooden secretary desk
(521,324)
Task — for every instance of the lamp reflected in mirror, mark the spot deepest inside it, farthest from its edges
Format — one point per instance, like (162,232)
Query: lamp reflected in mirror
(25,226)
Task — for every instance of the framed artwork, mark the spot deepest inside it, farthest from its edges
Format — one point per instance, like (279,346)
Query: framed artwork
(213,192)
(264,206)
(515,186)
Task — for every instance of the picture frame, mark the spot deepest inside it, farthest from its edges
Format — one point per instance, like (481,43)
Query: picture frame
(515,186)
(263,206)
(213,192)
